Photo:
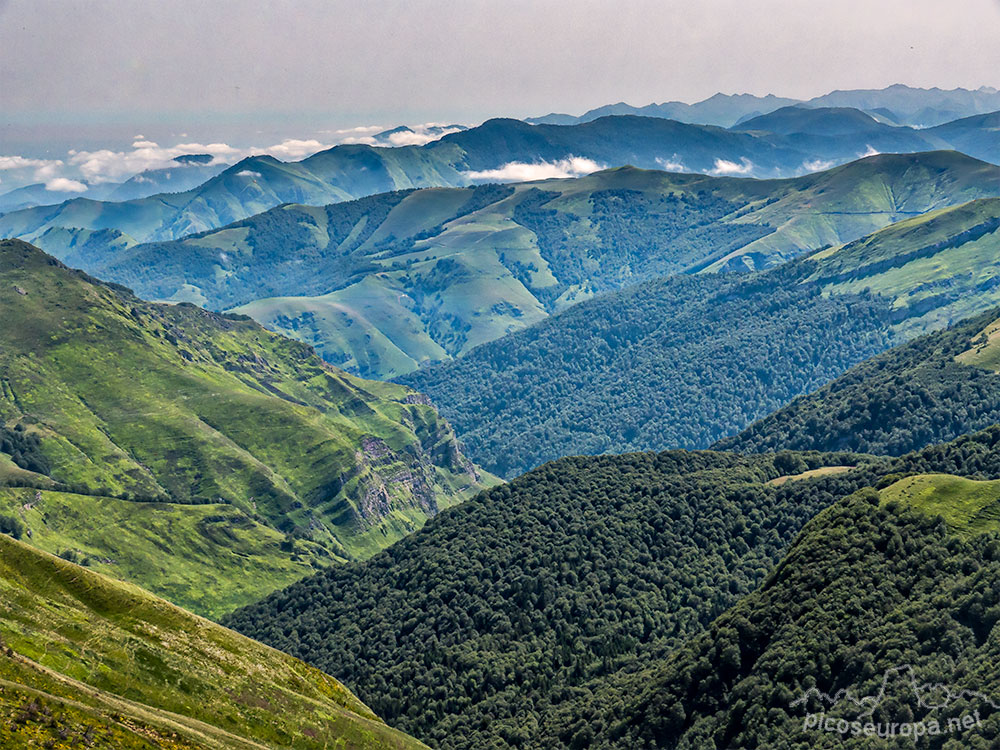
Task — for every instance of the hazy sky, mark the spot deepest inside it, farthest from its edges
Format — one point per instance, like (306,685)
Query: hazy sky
(383,61)
(246,75)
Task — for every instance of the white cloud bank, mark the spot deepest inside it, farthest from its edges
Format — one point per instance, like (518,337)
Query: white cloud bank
(65,185)
(111,165)
(516,171)
(726,167)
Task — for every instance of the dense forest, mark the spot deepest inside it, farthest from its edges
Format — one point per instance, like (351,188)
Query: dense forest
(471,633)
(524,618)
(902,400)
(871,595)
(706,355)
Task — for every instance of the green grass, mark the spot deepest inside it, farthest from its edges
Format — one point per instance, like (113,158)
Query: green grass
(95,653)
(969,507)
(937,268)
(210,559)
(985,350)
(175,405)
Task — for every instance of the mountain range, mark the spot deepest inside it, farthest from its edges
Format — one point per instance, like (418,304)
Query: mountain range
(385,284)
(902,105)
(497,150)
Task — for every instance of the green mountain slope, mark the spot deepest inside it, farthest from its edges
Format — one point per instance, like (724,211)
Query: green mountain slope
(237,448)
(550,606)
(382,285)
(930,390)
(86,661)
(702,356)
(677,362)
(937,268)
(878,597)
(502,609)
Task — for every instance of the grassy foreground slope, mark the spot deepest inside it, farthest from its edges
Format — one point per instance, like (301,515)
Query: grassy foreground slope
(166,408)
(387,283)
(87,661)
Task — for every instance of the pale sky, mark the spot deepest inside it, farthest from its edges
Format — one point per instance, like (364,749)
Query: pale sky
(240,70)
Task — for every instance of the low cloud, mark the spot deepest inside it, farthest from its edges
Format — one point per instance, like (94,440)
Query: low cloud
(248,173)
(515,171)
(869,152)
(726,167)
(105,165)
(65,185)
(293,149)
(671,165)
(818,165)
(110,165)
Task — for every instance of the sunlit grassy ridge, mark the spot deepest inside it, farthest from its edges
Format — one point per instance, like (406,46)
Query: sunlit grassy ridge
(175,405)
(969,507)
(104,660)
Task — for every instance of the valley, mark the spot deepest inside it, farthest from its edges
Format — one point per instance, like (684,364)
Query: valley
(432,426)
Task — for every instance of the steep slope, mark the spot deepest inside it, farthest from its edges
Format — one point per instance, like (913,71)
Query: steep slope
(881,614)
(90,662)
(384,284)
(167,408)
(548,605)
(937,268)
(500,610)
(930,390)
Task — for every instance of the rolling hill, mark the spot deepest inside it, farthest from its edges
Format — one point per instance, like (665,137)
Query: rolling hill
(571,607)
(703,354)
(231,460)
(382,285)
(86,661)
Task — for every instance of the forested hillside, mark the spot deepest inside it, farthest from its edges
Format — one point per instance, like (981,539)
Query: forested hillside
(930,390)
(678,362)
(543,605)
(878,597)
(472,632)
(703,355)
(198,454)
